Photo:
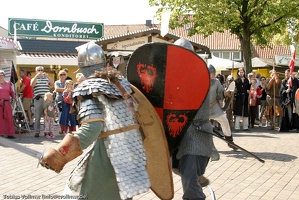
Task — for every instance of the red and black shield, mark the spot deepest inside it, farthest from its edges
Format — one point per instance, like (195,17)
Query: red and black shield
(175,80)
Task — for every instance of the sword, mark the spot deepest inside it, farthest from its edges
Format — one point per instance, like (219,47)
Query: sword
(31,152)
(219,135)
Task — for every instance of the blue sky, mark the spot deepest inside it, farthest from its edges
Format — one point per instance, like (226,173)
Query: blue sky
(109,12)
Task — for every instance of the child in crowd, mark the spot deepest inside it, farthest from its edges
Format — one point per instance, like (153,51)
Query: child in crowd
(67,120)
(49,115)
(80,78)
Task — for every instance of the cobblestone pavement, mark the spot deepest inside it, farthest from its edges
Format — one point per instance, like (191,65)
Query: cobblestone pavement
(236,176)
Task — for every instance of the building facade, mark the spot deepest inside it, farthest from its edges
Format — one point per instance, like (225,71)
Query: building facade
(59,53)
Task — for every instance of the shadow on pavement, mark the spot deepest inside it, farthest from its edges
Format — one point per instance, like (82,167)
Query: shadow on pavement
(30,139)
(251,135)
(263,155)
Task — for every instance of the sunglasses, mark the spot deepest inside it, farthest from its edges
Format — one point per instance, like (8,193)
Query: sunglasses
(62,75)
(40,70)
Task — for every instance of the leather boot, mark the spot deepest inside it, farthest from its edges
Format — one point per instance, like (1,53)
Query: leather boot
(203,181)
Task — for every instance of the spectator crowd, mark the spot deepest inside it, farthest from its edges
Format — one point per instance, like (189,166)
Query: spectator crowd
(263,101)
(43,100)
(257,101)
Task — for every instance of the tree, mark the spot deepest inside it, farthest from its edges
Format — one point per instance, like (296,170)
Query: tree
(252,21)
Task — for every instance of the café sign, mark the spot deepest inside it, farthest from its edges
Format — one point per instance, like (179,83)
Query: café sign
(54,29)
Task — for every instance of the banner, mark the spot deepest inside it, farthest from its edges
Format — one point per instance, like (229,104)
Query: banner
(292,66)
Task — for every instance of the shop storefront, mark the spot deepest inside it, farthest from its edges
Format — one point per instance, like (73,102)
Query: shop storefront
(52,44)
(8,53)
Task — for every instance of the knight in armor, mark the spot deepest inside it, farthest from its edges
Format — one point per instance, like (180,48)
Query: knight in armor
(196,147)
(113,165)
(217,94)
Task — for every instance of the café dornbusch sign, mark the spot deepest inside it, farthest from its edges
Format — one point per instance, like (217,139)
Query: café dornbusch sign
(54,29)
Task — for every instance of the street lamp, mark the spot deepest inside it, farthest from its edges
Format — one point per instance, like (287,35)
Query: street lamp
(55,69)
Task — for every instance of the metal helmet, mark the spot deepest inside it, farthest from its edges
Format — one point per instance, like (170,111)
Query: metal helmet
(91,57)
(212,69)
(184,43)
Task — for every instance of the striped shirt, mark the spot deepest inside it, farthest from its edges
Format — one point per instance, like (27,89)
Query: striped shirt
(41,86)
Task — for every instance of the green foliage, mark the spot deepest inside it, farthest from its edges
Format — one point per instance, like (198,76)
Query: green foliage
(253,21)
(260,19)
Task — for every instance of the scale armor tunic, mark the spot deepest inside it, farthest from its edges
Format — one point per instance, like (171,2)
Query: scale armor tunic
(97,98)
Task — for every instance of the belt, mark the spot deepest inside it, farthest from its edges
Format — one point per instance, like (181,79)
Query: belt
(37,97)
(3,106)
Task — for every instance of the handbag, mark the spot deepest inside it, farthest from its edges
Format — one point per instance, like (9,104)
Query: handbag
(59,105)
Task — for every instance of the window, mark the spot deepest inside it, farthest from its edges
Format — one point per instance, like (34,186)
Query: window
(216,54)
(236,55)
(226,55)
(230,55)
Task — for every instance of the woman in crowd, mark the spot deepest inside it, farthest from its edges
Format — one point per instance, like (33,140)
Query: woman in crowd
(59,88)
(241,103)
(255,93)
(6,118)
(67,120)
(262,113)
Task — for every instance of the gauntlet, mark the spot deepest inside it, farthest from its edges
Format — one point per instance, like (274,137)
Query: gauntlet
(68,149)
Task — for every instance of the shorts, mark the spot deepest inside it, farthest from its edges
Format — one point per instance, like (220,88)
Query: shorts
(27,103)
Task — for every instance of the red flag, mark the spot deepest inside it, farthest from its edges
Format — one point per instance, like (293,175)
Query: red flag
(292,67)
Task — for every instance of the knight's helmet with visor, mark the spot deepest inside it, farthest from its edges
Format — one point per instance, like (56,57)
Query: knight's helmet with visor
(91,57)
(183,42)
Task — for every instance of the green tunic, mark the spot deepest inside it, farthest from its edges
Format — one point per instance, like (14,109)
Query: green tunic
(99,180)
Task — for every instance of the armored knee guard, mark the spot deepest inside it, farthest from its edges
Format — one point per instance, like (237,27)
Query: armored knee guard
(68,149)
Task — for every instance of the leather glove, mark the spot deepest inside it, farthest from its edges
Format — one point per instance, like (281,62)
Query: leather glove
(68,149)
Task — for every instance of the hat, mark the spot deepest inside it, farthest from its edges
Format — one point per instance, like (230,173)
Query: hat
(2,72)
(229,77)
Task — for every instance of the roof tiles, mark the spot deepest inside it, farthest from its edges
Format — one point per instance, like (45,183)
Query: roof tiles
(216,42)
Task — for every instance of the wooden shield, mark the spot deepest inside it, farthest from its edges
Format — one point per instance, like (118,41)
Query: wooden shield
(156,148)
(175,80)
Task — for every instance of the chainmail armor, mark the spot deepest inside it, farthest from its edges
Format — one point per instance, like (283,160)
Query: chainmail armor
(97,98)
(196,142)
(89,70)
